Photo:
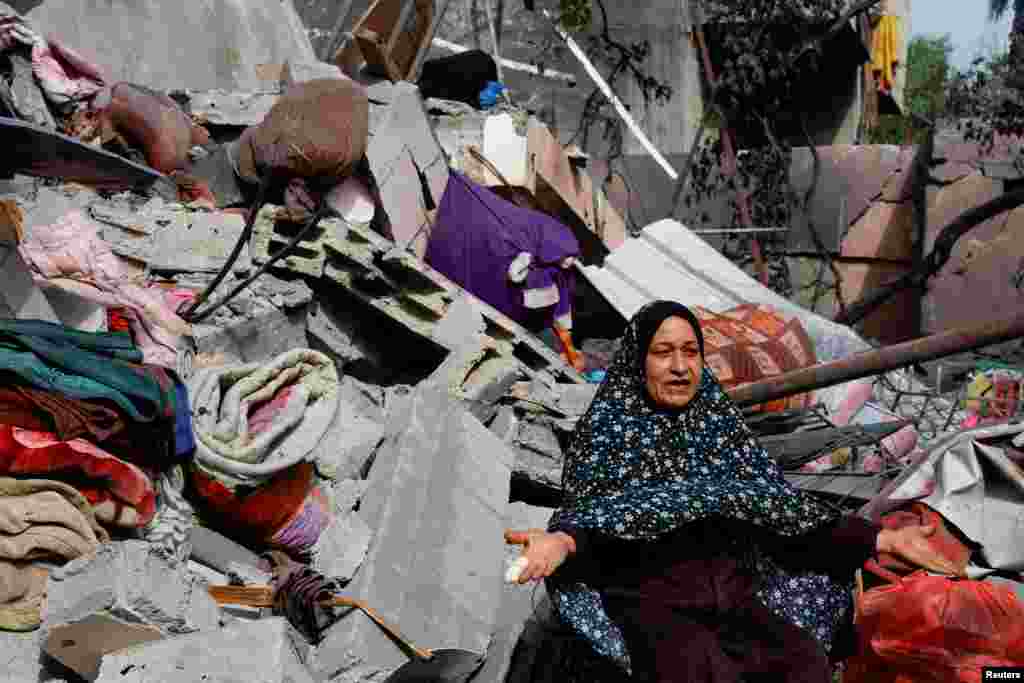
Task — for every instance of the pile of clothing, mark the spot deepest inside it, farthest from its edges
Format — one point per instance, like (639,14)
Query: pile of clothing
(86,427)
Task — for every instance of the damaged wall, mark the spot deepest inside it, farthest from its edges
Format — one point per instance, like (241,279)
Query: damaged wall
(170,44)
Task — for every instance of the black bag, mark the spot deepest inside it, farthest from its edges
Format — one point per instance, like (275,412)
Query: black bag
(459,78)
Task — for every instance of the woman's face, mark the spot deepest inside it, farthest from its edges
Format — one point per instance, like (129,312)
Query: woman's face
(673,364)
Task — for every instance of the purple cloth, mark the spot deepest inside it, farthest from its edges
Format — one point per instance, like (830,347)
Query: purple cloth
(478,234)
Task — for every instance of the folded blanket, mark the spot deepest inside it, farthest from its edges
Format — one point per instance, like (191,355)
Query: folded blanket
(253,421)
(99,421)
(120,493)
(39,519)
(87,366)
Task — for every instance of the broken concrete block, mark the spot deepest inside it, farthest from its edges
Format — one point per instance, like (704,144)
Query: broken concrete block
(198,241)
(130,580)
(343,545)
(80,645)
(219,552)
(462,324)
(20,295)
(256,652)
(228,108)
(218,172)
(349,444)
(26,95)
(403,141)
(22,660)
(517,601)
(539,453)
(575,399)
(123,595)
(299,72)
(340,333)
(269,334)
(436,498)
(269,235)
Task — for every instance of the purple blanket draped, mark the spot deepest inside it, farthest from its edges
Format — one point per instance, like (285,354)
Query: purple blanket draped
(477,236)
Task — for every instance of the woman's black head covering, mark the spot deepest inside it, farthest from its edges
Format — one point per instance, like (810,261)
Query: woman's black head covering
(650,318)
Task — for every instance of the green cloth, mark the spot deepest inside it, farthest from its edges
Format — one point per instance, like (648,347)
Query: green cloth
(87,365)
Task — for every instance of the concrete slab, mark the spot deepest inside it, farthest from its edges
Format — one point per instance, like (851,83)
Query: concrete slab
(256,652)
(22,660)
(437,497)
(197,242)
(402,142)
(168,45)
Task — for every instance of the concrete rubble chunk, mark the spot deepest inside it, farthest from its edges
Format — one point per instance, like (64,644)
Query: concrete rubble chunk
(22,660)
(403,141)
(343,545)
(264,335)
(539,453)
(219,552)
(171,238)
(436,498)
(301,72)
(20,295)
(339,331)
(125,594)
(518,602)
(228,108)
(254,652)
(349,444)
(269,235)
(218,172)
(27,98)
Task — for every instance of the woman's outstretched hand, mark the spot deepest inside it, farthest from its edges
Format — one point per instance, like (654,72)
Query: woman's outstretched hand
(911,544)
(543,552)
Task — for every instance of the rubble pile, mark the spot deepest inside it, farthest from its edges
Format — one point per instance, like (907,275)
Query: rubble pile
(286,330)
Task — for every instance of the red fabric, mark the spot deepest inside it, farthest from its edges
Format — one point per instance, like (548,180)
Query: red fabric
(748,343)
(97,474)
(263,512)
(943,541)
(930,628)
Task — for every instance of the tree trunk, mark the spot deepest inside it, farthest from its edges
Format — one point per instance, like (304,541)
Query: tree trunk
(1015,78)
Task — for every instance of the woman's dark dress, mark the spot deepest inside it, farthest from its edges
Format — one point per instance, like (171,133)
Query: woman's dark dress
(687,606)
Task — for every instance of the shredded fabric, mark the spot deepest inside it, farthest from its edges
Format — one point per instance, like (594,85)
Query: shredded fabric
(636,473)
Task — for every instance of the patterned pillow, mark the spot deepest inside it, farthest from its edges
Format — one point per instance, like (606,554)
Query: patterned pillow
(751,342)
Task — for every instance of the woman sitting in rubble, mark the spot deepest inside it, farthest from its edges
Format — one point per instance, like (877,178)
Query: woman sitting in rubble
(680,551)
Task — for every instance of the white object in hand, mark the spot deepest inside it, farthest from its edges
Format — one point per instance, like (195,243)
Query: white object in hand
(515,570)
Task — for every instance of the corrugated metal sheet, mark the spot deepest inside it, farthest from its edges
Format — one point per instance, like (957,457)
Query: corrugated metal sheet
(669,261)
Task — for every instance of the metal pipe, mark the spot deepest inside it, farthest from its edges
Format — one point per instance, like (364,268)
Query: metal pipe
(877,361)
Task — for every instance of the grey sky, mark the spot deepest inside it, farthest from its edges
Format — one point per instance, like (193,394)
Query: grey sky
(965,20)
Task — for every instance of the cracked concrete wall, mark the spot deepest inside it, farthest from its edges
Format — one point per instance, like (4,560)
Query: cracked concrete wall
(171,44)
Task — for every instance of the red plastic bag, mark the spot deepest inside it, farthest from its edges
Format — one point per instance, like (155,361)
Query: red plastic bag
(931,628)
